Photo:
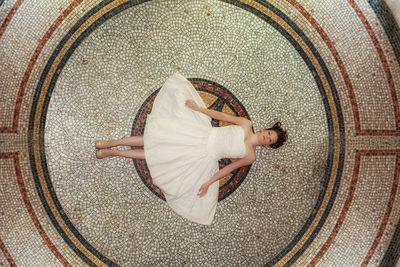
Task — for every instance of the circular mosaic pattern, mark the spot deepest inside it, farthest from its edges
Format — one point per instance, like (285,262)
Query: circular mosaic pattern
(82,72)
(215,97)
(84,68)
(92,89)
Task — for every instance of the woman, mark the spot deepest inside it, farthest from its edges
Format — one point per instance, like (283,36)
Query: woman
(182,149)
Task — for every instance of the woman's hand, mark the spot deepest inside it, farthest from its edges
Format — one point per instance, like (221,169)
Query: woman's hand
(203,189)
(192,105)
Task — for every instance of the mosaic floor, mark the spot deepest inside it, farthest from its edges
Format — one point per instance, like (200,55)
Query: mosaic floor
(73,71)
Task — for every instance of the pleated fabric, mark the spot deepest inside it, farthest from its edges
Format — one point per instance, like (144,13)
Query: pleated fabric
(179,146)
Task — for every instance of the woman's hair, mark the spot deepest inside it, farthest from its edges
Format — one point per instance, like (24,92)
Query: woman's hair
(282,135)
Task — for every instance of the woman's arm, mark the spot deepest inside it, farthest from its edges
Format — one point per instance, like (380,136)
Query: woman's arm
(218,115)
(224,172)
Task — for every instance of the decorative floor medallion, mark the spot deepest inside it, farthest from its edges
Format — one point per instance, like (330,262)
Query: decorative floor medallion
(215,97)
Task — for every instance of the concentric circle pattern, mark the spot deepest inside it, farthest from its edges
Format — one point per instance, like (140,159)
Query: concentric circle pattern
(88,70)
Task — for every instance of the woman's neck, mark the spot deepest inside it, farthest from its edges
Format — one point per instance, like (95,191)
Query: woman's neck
(254,139)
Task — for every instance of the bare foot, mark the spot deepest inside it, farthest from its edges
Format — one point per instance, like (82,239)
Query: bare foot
(100,154)
(99,144)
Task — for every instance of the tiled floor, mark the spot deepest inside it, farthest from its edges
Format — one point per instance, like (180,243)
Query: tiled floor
(75,71)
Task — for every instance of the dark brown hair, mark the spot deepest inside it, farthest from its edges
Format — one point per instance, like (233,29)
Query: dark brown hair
(282,135)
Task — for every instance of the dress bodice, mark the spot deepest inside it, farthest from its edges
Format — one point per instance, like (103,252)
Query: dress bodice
(226,142)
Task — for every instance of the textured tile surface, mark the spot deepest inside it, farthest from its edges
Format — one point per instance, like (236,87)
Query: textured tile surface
(329,72)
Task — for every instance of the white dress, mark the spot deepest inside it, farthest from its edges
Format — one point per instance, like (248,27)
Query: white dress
(182,150)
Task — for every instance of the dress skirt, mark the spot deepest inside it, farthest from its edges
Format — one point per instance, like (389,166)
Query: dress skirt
(175,146)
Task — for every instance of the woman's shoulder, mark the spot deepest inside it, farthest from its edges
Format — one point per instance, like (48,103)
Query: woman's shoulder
(250,156)
(250,152)
(247,127)
(245,122)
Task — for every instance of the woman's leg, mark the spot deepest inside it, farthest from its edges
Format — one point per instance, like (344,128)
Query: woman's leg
(132,153)
(128,141)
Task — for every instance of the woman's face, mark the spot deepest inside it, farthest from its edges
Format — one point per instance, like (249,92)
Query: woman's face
(267,137)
